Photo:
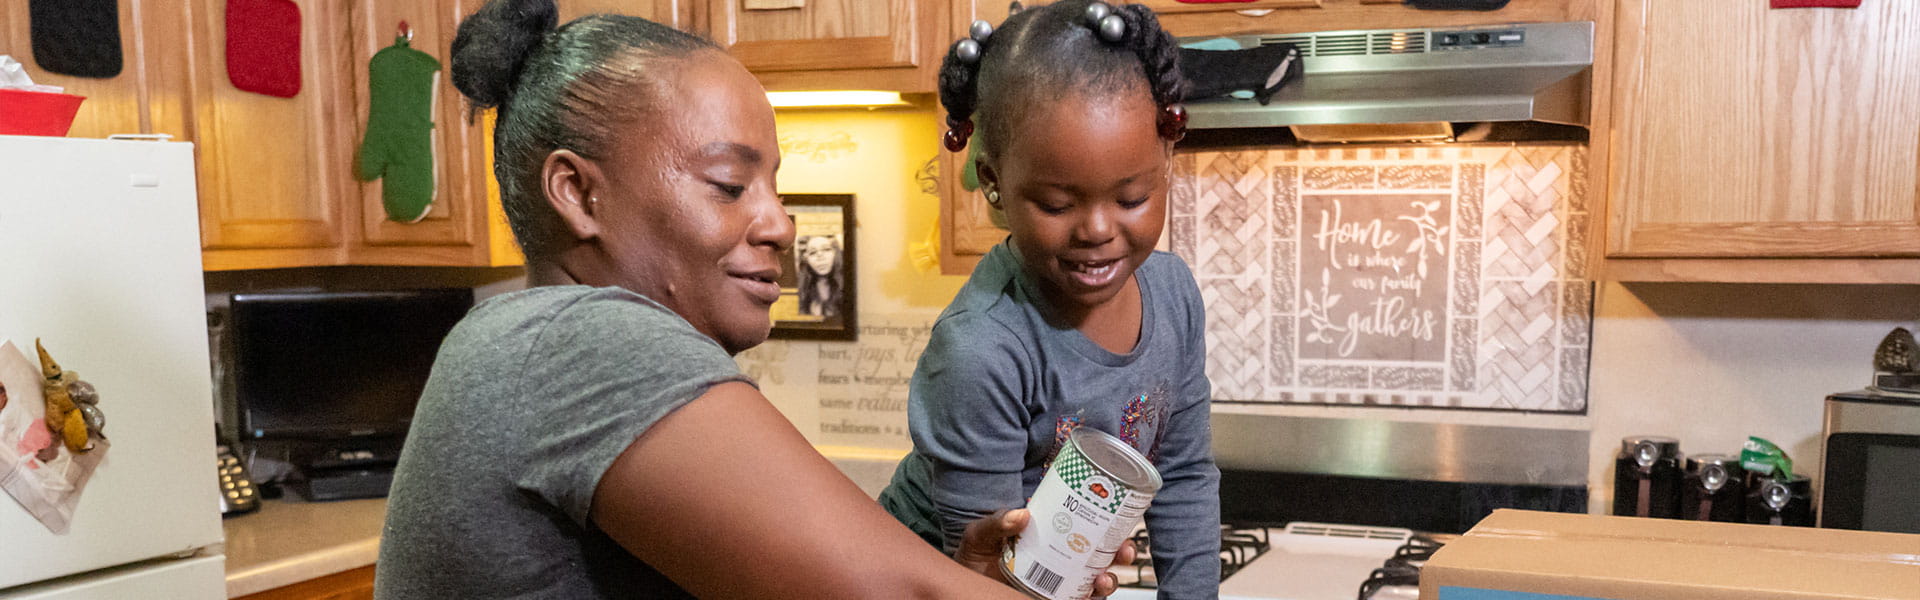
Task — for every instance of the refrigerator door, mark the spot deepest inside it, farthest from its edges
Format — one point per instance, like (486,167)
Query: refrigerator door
(100,258)
(198,578)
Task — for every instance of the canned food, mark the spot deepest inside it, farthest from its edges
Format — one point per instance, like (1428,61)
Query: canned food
(1085,507)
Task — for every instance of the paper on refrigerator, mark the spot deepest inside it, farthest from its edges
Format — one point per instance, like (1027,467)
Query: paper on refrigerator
(13,75)
(35,468)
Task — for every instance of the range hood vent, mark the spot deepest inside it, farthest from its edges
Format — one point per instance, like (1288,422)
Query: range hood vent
(1354,43)
(1509,73)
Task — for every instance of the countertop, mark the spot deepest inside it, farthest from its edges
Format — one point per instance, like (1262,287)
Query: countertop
(289,541)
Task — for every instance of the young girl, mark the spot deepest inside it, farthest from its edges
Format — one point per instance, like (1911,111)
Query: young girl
(1074,321)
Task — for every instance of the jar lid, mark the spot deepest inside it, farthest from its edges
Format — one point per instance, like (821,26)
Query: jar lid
(1714,471)
(1648,449)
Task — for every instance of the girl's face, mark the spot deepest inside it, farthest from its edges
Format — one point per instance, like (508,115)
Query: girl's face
(1083,182)
(820,254)
(692,220)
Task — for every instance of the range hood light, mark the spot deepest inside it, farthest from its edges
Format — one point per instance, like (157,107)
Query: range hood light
(835,99)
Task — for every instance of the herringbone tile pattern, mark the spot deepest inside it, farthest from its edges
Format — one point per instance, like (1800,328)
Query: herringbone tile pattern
(1232,208)
(1236,337)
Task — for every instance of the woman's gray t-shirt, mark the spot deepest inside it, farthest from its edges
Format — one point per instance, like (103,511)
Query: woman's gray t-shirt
(533,396)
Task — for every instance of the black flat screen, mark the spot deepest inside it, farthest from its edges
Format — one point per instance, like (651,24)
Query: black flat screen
(332,365)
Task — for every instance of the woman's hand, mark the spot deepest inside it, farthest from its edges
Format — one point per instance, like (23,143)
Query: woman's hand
(982,542)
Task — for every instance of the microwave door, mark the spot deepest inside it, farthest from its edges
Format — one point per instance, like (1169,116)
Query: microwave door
(1871,482)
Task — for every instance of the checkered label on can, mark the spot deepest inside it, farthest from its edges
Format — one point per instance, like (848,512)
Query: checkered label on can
(1087,482)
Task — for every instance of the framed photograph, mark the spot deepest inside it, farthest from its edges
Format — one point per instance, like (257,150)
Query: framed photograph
(817,299)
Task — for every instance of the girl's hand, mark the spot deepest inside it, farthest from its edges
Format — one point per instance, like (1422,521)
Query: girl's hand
(980,548)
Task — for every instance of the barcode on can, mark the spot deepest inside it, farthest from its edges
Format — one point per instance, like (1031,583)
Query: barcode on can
(1042,579)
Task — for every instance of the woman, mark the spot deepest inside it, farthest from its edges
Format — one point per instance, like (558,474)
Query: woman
(820,278)
(590,437)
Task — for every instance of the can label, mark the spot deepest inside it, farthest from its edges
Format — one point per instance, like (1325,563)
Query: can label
(1079,518)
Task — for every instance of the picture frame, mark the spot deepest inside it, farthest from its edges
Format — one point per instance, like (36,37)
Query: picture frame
(818,289)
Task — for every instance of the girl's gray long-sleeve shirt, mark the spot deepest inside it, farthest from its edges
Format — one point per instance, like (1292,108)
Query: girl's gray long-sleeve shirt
(999,387)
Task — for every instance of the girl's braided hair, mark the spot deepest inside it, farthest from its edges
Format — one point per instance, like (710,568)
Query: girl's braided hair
(1083,45)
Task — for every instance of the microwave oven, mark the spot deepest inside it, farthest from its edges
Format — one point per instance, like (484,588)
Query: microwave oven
(1871,479)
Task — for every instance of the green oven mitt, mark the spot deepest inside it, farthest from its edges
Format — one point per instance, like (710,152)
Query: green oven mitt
(398,148)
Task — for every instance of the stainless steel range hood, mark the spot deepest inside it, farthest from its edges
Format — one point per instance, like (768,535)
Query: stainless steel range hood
(1522,72)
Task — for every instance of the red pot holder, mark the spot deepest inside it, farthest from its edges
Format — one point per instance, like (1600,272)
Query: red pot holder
(263,46)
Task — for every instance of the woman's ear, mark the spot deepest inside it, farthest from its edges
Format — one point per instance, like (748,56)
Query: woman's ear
(571,183)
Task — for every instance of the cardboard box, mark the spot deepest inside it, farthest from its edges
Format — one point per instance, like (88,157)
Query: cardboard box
(1525,555)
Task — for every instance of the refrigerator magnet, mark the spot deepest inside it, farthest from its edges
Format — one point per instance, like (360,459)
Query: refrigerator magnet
(65,394)
(35,469)
(263,46)
(76,37)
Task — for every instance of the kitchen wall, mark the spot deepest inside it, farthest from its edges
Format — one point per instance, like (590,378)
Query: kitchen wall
(1712,364)
(849,398)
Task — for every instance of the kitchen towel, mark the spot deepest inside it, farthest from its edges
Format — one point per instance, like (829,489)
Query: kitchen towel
(263,46)
(76,37)
(398,148)
(1262,70)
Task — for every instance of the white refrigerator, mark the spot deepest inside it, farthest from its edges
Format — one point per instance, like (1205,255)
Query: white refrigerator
(100,258)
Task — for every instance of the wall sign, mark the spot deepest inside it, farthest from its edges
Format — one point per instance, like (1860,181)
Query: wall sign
(1446,276)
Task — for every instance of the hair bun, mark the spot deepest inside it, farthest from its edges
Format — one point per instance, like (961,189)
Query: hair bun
(492,46)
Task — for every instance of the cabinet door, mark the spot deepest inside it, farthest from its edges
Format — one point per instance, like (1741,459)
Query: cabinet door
(113,104)
(274,172)
(833,44)
(675,13)
(1175,6)
(150,93)
(454,230)
(1747,132)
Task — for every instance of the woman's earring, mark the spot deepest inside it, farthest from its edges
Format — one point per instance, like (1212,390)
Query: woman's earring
(993,198)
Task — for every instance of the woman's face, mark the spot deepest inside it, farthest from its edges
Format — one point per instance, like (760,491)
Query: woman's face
(820,254)
(692,219)
(1083,182)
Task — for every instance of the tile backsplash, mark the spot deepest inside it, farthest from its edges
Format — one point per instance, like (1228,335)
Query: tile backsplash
(1435,275)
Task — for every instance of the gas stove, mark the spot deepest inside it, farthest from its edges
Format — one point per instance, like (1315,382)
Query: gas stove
(1301,561)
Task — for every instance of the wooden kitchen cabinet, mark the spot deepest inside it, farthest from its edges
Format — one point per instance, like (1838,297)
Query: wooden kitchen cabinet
(148,96)
(967,231)
(275,174)
(1765,145)
(1168,7)
(356,584)
(455,231)
(678,14)
(277,186)
(891,45)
